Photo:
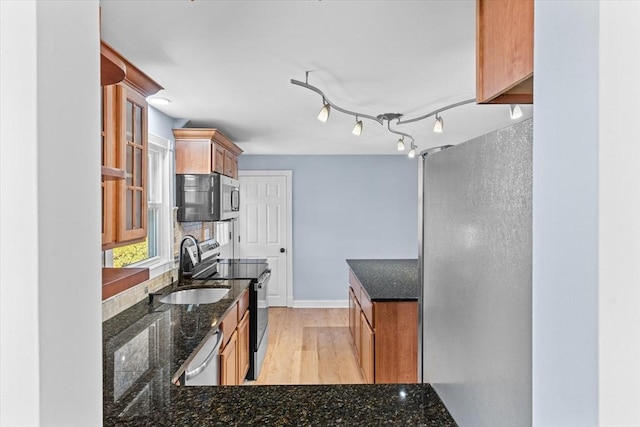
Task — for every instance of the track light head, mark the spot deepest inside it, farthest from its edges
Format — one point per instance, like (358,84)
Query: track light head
(438,126)
(412,152)
(515,112)
(357,128)
(401,144)
(323,116)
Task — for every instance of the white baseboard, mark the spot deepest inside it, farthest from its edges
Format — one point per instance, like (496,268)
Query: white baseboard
(339,303)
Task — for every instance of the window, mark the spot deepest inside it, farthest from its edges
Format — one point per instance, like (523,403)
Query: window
(155,251)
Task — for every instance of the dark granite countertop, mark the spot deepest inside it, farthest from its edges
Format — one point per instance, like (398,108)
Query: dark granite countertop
(387,279)
(146,345)
(150,343)
(309,405)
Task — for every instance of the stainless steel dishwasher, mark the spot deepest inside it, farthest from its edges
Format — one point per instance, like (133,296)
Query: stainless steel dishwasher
(204,369)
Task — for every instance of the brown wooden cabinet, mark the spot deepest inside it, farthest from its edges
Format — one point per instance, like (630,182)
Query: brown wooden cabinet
(110,173)
(243,347)
(353,313)
(202,151)
(355,324)
(229,162)
(504,51)
(385,336)
(132,191)
(229,361)
(234,354)
(367,350)
(124,155)
(219,155)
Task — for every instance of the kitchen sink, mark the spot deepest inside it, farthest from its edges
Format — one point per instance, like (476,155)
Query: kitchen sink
(195,296)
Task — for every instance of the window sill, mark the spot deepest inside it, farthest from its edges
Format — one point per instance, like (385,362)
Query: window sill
(116,280)
(155,265)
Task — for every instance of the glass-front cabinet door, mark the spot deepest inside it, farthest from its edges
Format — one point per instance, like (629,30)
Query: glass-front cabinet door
(133,155)
(124,151)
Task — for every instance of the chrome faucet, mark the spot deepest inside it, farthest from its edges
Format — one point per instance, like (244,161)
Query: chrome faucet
(186,265)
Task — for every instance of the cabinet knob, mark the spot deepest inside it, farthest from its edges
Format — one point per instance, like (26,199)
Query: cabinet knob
(282,250)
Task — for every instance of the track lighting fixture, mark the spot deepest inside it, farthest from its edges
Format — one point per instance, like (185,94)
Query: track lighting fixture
(515,112)
(323,116)
(401,144)
(438,126)
(412,152)
(357,128)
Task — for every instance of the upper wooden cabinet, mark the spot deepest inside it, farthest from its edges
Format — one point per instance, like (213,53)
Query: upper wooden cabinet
(202,151)
(132,191)
(112,67)
(504,51)
(124,153)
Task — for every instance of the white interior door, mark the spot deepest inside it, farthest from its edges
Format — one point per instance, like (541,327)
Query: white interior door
(265,227)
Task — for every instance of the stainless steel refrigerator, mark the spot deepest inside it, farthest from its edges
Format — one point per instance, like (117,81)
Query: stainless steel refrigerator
(475,260)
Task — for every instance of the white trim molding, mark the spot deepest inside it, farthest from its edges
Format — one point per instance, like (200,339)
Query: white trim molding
(338,303)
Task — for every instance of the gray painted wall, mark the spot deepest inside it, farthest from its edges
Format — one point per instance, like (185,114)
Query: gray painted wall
(345,207)
(565,214)
(160,124)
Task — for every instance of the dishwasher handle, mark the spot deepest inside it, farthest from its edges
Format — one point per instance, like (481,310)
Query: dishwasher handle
(189,375)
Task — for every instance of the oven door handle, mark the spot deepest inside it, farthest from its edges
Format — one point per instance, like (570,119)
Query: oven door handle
(264,279)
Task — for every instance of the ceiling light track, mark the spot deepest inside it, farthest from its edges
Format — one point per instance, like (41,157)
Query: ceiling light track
(380,118)
(334,106)
(438,111)
(398,132)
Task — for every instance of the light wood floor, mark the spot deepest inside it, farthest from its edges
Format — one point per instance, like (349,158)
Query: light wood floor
(309,346)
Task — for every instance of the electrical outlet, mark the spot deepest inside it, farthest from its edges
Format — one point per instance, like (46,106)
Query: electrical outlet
(146,289)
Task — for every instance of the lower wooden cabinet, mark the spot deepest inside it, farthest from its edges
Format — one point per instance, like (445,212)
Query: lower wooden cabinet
(367,352)
(385,336)
(243,347)
(229,362)
(352,314)
(354,321)
(234,356)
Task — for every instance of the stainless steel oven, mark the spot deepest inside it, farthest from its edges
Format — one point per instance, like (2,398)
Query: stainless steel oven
(256,270)
(260,340)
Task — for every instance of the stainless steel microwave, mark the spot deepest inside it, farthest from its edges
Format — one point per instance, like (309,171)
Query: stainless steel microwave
(211,197)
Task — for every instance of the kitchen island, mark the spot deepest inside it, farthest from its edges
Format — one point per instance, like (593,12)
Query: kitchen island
(146,347)
(383,318)
(387,279)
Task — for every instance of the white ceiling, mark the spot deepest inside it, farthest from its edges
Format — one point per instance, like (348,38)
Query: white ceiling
(228,65)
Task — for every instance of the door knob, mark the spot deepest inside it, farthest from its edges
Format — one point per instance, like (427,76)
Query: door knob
(281,250)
